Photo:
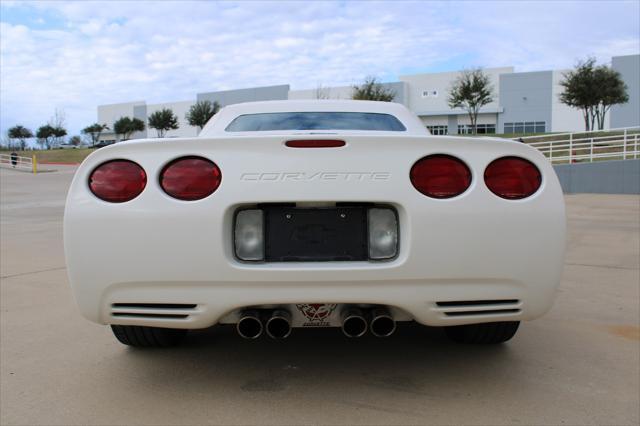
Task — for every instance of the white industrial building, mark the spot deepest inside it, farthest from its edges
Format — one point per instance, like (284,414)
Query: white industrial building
(524,102)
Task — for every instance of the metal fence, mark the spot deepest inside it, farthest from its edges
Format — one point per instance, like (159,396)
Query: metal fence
(28,164)
(579,147)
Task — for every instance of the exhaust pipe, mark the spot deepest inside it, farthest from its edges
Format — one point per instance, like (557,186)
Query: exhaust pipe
(249,325)
(353,322)
(279,324)
(382,323)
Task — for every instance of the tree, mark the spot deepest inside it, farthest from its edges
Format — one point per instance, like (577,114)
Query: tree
(59,133)
(593,89)
(20,133)
(201,112)
(46,135)
(322,92)
(75,140)
(372,90)
(163,120)
(126,126)
(6,142)
(59,119)
(58,122)
(611,90)
(471,91)
(94,131)
(578,85)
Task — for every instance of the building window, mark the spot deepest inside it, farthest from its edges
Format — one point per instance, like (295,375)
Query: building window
(481,129)
(529,127)
(430,93)
(438,130)
(521,127)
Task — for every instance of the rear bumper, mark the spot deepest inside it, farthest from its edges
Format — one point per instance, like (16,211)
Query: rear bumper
(200,305)
(498,256)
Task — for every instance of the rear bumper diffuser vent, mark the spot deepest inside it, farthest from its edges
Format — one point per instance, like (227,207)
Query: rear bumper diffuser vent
(172,311)
(479,307)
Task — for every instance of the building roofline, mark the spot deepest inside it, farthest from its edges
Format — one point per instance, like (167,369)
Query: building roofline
(626,56)
(455,71)
(133,103)
(288,86)
(193,101)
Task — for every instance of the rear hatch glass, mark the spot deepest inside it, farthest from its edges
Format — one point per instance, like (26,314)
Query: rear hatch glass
(315,121)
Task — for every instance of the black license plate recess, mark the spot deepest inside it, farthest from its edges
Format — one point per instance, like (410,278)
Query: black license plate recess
(298,234)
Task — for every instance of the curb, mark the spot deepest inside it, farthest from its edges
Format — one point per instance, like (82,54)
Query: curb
(58,163)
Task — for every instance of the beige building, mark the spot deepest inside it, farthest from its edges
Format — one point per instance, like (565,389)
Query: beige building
(523,102)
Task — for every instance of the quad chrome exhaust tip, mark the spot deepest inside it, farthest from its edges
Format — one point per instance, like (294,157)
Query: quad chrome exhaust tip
(279,324)
(382,323)
(249,325)
(354,323)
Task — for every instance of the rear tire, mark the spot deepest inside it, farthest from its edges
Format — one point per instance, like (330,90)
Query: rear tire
(485,334)
(147,337)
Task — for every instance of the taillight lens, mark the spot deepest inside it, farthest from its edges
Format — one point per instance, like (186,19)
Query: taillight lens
(512,178)
(117,181)
(440,176)
(190,178)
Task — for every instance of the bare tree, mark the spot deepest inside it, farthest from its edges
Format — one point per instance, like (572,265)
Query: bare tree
(7,142)
(322,92)
(58,123)
(59,118)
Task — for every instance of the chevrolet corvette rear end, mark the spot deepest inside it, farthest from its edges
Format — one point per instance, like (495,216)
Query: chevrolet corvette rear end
(286,215)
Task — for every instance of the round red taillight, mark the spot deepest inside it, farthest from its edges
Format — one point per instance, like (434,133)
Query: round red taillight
(440,176)
(117,181)
(512,178)
(190,178)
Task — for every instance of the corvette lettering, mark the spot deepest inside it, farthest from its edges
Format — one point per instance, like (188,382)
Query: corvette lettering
(317,176)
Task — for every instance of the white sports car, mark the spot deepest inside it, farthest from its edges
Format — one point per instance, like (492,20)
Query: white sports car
(303,214)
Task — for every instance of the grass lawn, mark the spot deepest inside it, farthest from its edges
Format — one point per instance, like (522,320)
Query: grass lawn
(58,155)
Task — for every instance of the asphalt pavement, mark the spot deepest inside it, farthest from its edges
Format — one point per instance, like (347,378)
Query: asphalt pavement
(580,364)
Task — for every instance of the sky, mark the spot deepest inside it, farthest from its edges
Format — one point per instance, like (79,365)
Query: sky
(75,55)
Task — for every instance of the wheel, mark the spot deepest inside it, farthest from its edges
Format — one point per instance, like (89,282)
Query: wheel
(485,333)
(147,337)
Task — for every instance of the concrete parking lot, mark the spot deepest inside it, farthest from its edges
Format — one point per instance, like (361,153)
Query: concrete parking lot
(580,364)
